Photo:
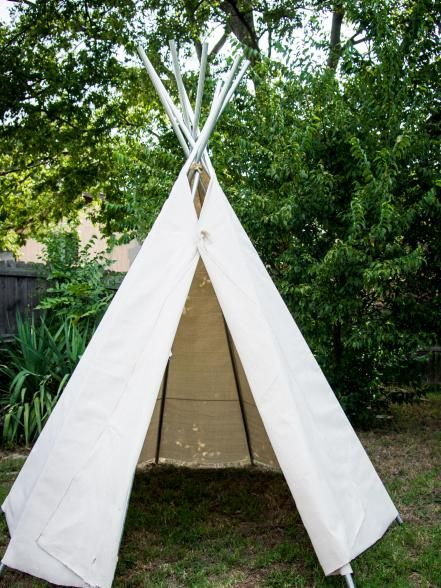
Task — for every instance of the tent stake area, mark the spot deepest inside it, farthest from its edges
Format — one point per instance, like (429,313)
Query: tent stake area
(349,581)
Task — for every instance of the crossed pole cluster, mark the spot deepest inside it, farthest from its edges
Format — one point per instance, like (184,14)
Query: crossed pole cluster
(186,122)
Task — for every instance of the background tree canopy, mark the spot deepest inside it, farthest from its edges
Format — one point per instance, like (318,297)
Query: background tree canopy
(330,153)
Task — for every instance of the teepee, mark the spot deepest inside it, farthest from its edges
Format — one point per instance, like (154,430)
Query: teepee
(196,361)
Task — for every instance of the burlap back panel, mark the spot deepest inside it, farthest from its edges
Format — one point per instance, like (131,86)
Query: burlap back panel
(202,419)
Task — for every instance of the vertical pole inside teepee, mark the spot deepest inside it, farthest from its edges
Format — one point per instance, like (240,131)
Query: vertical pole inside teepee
(161,412)
(199,190)
(234,85)
(194,143)
(164,98)
(190,118)
(239,391)
(187,110)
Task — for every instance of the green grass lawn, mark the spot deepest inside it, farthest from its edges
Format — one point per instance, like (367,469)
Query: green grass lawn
(219,528)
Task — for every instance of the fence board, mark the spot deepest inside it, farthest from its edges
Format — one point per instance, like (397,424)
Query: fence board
(434,366)
(21,286)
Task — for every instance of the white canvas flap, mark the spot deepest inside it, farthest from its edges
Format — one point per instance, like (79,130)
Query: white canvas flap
(328,471)
(69,491)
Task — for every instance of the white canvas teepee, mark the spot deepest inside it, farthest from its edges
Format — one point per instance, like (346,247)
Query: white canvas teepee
(197,360)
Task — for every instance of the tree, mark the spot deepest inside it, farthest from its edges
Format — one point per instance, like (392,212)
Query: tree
(64,96)
(332,163)
(72,102)
(345,179)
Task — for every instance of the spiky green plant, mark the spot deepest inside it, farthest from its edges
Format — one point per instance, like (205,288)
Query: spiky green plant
(37,366)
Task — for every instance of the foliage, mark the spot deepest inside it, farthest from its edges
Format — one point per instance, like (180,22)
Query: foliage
(45,351)
(64,98)
(340,195)
(79,287)
(330,156)
(348,231)
(73,105)
(37,367)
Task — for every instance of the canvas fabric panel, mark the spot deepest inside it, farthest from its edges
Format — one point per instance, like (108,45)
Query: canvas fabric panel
(148,451)
(329,474)
(261,448)
(67,507)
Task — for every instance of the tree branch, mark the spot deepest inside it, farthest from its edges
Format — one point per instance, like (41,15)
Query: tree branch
(335,40)
(32,165)
(358,41)
(241,24)
(22,2)
(220,43)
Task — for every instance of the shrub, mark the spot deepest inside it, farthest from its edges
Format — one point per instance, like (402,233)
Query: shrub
(37,367)
(79,284)
(38,364)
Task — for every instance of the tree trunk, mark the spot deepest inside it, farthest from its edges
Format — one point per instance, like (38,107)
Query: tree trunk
(240,20)
(335,40)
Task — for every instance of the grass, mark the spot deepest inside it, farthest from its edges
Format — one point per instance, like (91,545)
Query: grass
(221,528)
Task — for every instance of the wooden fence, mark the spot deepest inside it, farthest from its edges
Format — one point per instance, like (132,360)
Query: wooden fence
(21,286)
